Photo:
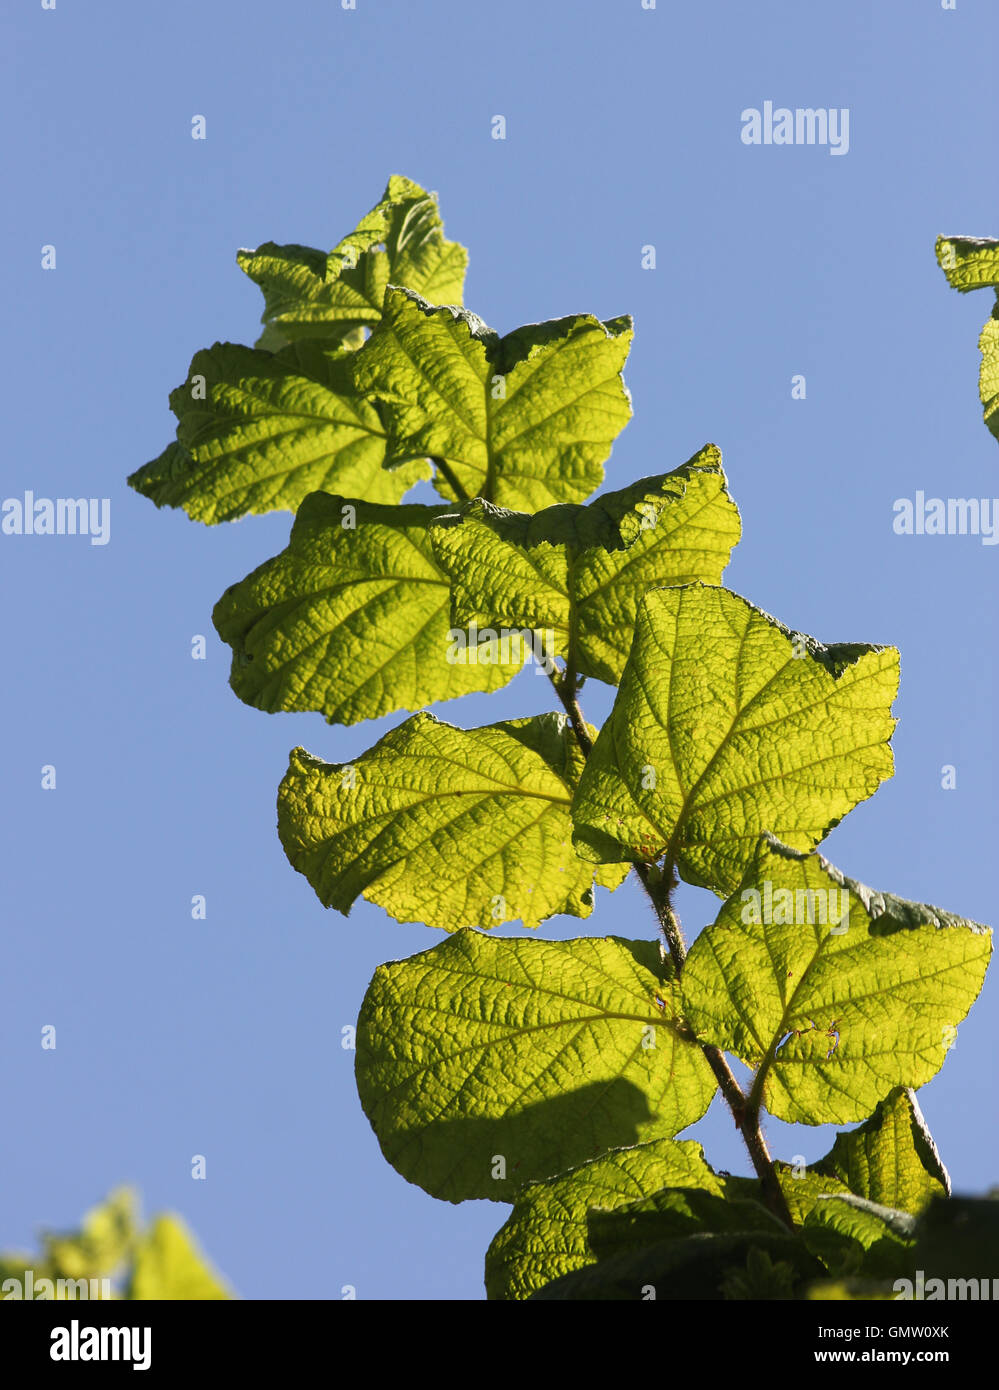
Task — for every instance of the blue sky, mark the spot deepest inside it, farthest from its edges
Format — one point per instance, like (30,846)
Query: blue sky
(222,1037)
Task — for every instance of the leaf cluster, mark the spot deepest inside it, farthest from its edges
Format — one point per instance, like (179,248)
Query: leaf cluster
(556,1075)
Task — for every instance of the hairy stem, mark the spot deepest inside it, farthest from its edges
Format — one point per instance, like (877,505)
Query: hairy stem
(565,689)
(659,884)
(747,1118)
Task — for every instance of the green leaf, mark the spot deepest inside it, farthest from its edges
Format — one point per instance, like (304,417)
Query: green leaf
(161,1262)
(837,992)
(257,432)
(452,827)
(972,263)
(486,1063)
(524,421)
(761,1278)
(548,1232)
(699,1267)
(954,1256)
(901,1224)
(891,1158)
(726,723)
(352,619)
(168,1265)
(578,572)
(988,345)
(804,1187)
(309,294)
(852,1236)
(675,1211)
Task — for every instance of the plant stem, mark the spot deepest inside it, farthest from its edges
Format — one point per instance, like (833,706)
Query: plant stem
(659,885)
(747,1119)
(445,471)
(565,689)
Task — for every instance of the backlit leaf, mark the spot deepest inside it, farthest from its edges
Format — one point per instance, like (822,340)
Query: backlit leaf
(524,421)
(259,431)
(352,619)
(840,993)
(487,1063)
(972,263)
(548,1232)
(336,296)
(579,571)
(726,724)
(452,827)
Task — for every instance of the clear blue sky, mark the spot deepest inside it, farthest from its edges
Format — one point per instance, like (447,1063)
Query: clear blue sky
(222,1037)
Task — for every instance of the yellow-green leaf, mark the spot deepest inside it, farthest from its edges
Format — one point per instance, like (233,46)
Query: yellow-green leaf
(352,619)
(726,724)
(336,296)
(524,421)
(487,1063)
(169,1265)
(548,1232)
(258,431)
(972,263)
(579,571)
(837,994)
(452,827)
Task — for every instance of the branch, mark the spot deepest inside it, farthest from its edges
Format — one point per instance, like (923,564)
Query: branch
(747,1119)
(565,689)
(659,885)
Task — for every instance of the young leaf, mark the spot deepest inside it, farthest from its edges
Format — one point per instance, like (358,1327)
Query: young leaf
(352,619)
(725,723)
(452,827)
(836,993)
(580,571)
(168,1265)
(309,294)
(258,431)
(523,421)
(972,263)
(548,1235)
(486,1063)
